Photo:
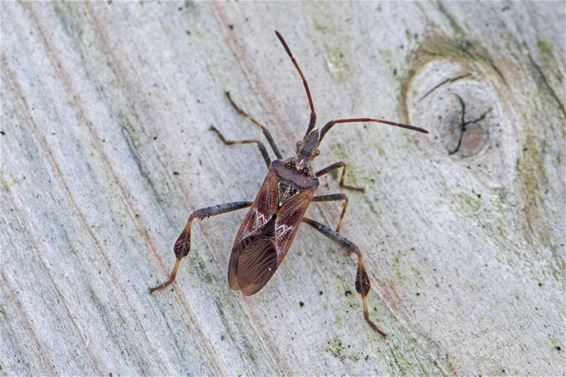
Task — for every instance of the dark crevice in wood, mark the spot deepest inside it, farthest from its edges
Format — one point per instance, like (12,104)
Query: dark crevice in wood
(463,123)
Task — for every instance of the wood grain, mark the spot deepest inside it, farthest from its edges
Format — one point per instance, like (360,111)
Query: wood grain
(106,149)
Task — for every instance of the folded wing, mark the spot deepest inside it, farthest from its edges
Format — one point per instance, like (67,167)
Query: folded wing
(254,260)
(256,257)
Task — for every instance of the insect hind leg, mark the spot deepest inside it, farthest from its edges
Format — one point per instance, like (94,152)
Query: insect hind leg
(362,279)
(183,243)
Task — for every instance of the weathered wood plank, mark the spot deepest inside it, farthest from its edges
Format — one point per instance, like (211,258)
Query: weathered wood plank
(106,149)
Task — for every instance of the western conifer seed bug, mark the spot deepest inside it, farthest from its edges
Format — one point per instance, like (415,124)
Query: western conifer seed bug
(274,217)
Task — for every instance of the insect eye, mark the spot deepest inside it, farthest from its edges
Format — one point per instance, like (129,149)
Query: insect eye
(300,145)
(316,152)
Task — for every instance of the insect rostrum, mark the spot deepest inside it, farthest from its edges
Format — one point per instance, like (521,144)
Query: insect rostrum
(274,217)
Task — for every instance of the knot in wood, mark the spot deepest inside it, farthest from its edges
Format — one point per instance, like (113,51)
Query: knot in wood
(460,110)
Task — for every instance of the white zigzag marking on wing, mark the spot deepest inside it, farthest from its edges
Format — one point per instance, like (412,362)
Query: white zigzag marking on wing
(282,230)
(259,219)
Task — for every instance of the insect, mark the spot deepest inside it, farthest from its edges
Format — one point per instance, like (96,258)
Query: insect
(276,214)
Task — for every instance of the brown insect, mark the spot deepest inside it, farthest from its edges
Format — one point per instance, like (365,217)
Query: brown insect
(276,214)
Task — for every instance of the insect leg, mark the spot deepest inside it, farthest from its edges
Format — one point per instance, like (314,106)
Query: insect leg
(254,141)
(331,198)
(183,243)
(254,121)
(335,166)
(362,279)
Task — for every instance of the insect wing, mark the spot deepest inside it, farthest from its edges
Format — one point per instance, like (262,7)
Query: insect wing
(254,246)
(255,259)
(288,220)
(262,210)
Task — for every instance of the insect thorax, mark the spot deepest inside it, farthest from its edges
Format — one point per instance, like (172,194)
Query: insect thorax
(292,179)
(287,190)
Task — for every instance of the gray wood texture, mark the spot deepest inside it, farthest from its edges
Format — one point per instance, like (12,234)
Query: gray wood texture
(106,149)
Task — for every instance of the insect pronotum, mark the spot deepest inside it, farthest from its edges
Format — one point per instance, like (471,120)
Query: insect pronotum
(274,217)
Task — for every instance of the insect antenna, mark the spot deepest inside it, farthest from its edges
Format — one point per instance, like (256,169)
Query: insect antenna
(330,124)
(311,103)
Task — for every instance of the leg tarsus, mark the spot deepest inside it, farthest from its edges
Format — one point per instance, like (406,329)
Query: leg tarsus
(363,286)
(369,321)
(183,243)
(362,279)
(171,277)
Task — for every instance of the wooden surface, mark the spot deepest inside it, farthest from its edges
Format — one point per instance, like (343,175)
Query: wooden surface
(106,149)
